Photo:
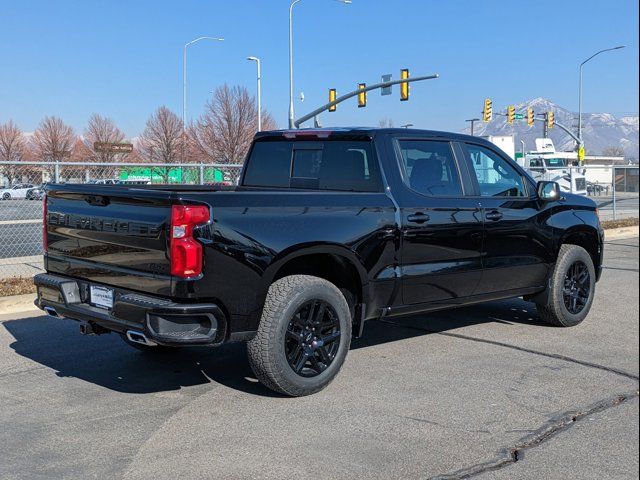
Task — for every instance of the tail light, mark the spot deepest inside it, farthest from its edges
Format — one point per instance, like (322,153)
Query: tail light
(185,252)
(45,243)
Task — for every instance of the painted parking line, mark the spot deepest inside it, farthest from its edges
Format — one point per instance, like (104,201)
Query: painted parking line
(20,222)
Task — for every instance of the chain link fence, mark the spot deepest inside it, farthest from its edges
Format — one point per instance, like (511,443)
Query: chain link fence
(597,182)
(21,198)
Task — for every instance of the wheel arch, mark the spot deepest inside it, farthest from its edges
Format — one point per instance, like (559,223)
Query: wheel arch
(335,263)
(586,237)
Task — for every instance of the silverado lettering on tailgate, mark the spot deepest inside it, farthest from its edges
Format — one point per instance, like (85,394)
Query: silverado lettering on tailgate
(111,225)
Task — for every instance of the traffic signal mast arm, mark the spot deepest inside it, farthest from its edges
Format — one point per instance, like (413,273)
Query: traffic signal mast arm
(349,95)
(559,125)
(542,118)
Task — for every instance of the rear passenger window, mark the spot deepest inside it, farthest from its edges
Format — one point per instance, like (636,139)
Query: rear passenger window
(329,165)
(269,165)
(430,168)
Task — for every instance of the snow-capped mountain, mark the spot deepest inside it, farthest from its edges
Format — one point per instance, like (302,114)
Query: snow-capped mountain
(599,130)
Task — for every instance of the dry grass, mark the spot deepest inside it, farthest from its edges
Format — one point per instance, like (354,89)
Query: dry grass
(626,222)
(16,286)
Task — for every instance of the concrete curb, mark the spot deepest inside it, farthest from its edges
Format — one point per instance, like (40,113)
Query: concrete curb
(17,304)
(620,233)
(24,303)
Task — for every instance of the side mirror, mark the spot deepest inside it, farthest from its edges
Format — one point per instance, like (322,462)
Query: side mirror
(548,191)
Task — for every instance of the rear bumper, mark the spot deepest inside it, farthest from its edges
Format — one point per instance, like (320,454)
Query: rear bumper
(161,320)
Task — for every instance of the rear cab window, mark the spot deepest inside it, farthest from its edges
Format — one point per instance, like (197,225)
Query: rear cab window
(333,165)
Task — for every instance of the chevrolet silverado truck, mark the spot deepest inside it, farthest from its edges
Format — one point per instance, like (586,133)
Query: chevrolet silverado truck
(326,229)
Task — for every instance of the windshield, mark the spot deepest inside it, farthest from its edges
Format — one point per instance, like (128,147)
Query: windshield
(556,162)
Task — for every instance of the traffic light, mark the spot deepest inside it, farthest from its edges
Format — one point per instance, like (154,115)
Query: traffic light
(550,119)
(530,117)
(332,98)
(362,96)
(511,114)
(487,112)
(404,86)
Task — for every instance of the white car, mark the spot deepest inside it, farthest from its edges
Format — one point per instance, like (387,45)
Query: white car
(17,191)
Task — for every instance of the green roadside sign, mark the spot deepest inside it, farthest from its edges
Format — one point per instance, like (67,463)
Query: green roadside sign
(519,116)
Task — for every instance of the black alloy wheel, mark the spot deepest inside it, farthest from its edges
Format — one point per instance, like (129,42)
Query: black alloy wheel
(577,287)
(312,339)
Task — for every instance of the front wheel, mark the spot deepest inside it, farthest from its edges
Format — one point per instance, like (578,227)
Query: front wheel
(6,196)
(303,337)
(572,288)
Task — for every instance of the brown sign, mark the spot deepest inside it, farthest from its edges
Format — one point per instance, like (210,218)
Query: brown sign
(113,147)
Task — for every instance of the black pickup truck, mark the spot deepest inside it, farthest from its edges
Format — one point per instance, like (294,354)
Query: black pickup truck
(327,228)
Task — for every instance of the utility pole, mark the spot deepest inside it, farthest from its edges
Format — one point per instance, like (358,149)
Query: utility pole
(472,121)
(291,109)
(259,92)
(580,89)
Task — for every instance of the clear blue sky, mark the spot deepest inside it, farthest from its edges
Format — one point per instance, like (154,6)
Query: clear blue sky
(123,59)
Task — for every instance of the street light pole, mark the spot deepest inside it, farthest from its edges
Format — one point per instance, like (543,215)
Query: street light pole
(580,88)
(184,75)
(291,110)
(259,90)
(472,121)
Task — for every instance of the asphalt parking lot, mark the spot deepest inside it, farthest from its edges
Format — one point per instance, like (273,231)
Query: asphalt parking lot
(486,391)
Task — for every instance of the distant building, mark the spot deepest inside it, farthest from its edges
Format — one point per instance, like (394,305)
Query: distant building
(604,160)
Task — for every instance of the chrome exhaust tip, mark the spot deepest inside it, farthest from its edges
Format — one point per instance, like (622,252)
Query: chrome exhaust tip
(51,311)
(139,337)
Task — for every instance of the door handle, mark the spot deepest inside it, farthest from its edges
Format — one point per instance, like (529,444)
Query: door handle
(418,218)
(495,216)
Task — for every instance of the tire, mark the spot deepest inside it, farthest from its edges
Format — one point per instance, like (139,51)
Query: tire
(6,196)
(569,302)
(161,349)
(284,341)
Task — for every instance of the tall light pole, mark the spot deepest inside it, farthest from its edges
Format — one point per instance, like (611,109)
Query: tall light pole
(291,112)
(259,91)
(580,87)
(472,121)
(184,75)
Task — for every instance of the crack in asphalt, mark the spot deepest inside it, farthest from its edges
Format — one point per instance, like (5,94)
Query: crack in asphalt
(553,427)
(556,356)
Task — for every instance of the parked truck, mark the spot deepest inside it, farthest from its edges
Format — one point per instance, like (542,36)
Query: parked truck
(545,163)
(327,229)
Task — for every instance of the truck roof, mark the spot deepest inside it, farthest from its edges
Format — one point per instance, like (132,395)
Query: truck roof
(370,132)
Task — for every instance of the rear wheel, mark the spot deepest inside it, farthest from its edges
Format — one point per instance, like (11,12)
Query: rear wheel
(6,196)
(571,290)
(303,337)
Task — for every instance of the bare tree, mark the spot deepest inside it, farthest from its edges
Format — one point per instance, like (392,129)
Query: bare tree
(162,139)
(12,149)
(385,122)
(224,132)
(103,130)
(53,139)
(613,151)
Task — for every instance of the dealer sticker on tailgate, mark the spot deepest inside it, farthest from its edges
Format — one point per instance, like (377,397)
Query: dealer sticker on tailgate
(102,296)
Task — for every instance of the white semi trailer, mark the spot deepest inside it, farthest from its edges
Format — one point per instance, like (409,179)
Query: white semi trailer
(545,163)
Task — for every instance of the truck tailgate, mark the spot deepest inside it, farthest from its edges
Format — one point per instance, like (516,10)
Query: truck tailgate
(111,235)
